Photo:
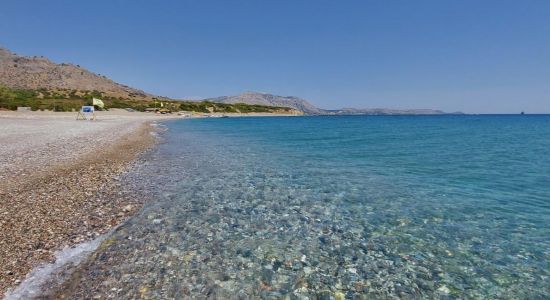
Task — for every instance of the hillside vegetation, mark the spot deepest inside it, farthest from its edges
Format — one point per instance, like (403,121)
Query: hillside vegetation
(37,82)
(69,100)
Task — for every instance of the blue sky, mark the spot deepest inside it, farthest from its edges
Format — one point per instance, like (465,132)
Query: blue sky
(471,56)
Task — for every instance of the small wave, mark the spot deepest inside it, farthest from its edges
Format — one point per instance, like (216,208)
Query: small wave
(47,275)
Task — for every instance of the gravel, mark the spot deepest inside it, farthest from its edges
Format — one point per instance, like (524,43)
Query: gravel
(59,182)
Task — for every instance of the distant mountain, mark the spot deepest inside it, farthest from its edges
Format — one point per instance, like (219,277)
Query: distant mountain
(308,108)
(270,100)
(24,72)
(386,111)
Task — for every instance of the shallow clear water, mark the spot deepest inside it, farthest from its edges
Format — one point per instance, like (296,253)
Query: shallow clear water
(431,206)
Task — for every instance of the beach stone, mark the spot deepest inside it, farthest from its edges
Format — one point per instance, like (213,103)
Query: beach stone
(444,289)
(267,275)
(339,296)
(276,265)
(325,295)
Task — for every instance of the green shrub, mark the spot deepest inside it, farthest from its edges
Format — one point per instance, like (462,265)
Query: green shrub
(67,100)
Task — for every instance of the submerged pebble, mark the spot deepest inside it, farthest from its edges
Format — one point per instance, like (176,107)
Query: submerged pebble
(229,221)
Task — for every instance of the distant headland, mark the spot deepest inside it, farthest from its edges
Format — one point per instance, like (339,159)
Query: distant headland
(42,84)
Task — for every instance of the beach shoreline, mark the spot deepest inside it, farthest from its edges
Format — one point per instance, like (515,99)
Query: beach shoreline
(59,182)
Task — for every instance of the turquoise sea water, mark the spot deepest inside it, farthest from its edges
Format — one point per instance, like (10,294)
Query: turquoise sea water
(319,207)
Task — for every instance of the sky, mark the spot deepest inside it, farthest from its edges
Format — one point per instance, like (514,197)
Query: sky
(471,56)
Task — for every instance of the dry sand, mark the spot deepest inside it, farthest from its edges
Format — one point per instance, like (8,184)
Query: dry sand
(58,182)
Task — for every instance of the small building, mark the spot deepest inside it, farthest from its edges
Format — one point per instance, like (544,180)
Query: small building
(151,109)
(23,108)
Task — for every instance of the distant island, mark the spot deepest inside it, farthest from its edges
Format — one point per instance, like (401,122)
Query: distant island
(41,84)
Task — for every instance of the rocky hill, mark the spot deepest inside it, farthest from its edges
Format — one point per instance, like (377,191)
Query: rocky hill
(308,108)
(72,81)
(32,73)
(270,100)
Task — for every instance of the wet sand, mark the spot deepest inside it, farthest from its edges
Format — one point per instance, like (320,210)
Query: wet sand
(58,182)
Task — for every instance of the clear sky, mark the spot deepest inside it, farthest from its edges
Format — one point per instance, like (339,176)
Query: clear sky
(473,56)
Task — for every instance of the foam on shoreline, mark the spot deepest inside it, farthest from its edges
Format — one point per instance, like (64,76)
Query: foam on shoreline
(90,203)
(46,275)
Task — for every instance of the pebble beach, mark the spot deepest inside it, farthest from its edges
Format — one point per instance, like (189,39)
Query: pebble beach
(273,208)
(59,182)
(330,208)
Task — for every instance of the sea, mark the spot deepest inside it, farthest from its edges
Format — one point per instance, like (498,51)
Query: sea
(335,207)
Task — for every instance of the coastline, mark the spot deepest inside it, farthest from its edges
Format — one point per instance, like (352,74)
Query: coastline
(59,189)
(250,210)
(59,184)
